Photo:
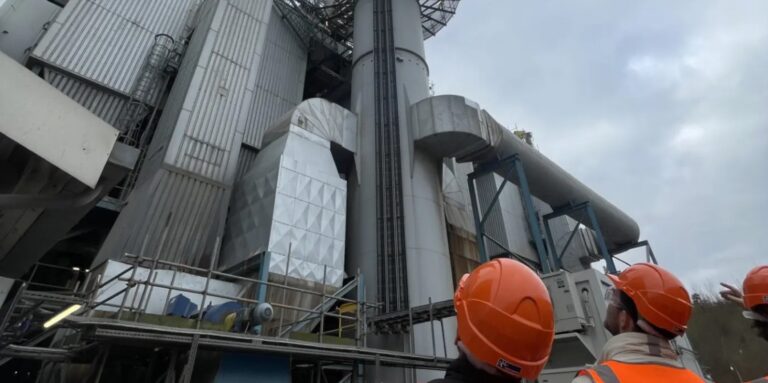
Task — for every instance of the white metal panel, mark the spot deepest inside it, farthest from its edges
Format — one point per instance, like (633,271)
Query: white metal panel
(156,298)
(458,208)
(321,117)
(22,23)
(293,201)
(51,125)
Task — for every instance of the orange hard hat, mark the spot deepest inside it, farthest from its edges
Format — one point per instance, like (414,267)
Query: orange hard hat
(505,317)
(755,287)
(660,297)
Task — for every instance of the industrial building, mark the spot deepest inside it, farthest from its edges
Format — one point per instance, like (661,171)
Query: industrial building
(220,190)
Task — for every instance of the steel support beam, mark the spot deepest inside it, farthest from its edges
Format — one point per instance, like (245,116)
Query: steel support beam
(649,255)
(531,216)
(249,343)
(511,164)
(587,208)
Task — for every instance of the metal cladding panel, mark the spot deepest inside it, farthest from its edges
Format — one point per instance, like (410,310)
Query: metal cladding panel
(245,161)
(280,81)
(514,222)
(105,105)
(251,7)
(156,298)
(62,132)
(181,85)
(174,216)
(458,206)
(22,23)
(291,202)
(320,117)
(266,109)
(507,222)
(184,189)
(487,186)
(210,125)
(105,41)
(156,16)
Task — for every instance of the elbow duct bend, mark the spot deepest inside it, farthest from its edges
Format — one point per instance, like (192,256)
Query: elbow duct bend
(453,126)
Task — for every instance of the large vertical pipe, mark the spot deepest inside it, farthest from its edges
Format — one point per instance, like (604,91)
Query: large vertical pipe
(426,244)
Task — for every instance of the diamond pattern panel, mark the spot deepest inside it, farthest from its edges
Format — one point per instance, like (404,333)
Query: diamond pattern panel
(290,199)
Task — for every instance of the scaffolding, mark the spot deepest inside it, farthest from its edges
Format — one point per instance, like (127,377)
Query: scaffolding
(111,320)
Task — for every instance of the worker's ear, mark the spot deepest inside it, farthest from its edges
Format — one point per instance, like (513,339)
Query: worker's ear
(626,324)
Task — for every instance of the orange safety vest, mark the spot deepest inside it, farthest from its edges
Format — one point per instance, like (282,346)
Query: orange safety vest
(619,372)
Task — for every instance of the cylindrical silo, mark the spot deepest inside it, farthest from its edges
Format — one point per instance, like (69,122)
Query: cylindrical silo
(395,202)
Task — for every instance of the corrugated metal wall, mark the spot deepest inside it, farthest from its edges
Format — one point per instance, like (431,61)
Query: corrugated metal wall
(209,128)
(172,215)
(280,83)
(176,99)
(105,41)
(106,105)
(244,161)
(192,162)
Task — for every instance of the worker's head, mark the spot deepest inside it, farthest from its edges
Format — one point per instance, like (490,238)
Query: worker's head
(755,290)
(505,319)
(646,298)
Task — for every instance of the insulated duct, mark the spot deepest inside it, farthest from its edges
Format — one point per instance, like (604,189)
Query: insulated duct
(453,126)
(320,117)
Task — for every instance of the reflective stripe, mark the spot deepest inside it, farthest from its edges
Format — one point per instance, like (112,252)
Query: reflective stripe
(605,374)
(654,349)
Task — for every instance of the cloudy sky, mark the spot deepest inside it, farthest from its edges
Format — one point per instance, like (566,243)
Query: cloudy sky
(661,106)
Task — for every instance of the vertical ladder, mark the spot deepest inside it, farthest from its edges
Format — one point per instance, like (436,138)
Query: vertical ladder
(134,130)
(144,91)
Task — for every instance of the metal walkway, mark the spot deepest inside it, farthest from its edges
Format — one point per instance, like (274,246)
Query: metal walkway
(148,335)
(401,321)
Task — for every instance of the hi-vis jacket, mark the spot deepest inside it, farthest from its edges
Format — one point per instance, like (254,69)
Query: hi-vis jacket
(636,357)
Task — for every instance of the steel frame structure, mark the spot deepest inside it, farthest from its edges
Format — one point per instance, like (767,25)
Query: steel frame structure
(601,245)
(510,166)
(649,255)
(99,335)
(330,21)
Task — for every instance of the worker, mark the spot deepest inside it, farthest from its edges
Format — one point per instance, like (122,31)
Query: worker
(647,307)
(754,299)
(505,324)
